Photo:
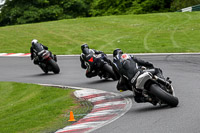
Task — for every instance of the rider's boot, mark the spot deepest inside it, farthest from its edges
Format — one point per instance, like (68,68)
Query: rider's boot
(55,58)
(142,98)
(147,98)
(36,61)
(99,73)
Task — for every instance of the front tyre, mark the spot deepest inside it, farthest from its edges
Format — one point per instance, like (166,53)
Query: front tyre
(54,65)
(44,68)
(109,70)
(163,95)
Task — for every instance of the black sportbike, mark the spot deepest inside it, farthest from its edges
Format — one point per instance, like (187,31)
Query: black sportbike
(158,89)
(96,62)
(47,62)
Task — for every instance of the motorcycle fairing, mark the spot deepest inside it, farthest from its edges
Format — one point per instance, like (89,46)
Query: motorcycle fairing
(142,79)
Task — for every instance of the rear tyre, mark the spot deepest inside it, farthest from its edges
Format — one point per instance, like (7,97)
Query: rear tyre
(54,65)
(109,70)
(163,95)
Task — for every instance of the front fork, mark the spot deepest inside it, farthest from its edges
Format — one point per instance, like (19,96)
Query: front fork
(162,81)
(166,84)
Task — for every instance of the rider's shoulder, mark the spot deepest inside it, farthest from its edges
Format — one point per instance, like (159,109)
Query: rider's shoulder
(40,44)
(92,50)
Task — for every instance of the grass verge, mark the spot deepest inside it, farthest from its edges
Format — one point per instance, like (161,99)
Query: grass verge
(33,108)
(147,33)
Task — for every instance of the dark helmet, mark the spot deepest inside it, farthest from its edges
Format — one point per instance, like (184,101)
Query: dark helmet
(85,48)
(117,51)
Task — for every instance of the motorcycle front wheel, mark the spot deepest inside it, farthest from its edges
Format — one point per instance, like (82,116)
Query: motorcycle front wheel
(109,70)
(43,67)
(54,65)
(163,95)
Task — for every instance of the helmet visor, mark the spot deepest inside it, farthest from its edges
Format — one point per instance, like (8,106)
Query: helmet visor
(85,51)
(117,52)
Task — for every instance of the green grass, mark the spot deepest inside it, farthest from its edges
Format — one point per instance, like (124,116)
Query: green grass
(160,32)
(32,108)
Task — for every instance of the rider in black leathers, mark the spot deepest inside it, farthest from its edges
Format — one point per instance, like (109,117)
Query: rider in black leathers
(85,52)
(127,67)
(36,48)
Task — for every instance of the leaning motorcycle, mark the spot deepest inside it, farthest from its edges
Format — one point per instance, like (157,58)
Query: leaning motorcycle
(96,62)
(158,89)
(47,63)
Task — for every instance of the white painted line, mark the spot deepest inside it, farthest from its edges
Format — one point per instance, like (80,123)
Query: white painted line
(98,99)
(103,113)
(18,54)
(87,93)
(108,104)
(80,126)
(2,54)
(14,54)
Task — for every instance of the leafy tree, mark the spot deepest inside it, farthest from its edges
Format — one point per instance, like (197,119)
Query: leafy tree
(75,7)
(29,11)
(149,6)
(109,7)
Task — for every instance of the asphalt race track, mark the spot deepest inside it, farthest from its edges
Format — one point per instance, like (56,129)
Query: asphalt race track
(184,71)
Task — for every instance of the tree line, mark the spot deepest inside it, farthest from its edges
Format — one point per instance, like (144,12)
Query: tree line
(30,11)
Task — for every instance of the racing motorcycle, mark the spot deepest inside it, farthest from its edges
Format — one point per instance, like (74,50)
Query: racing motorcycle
(158,89)
(96,62)
(47,63)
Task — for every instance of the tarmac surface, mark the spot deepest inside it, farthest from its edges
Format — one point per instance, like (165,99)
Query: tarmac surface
(184,71)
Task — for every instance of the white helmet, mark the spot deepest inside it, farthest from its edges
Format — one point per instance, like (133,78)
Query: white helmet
(34,41)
